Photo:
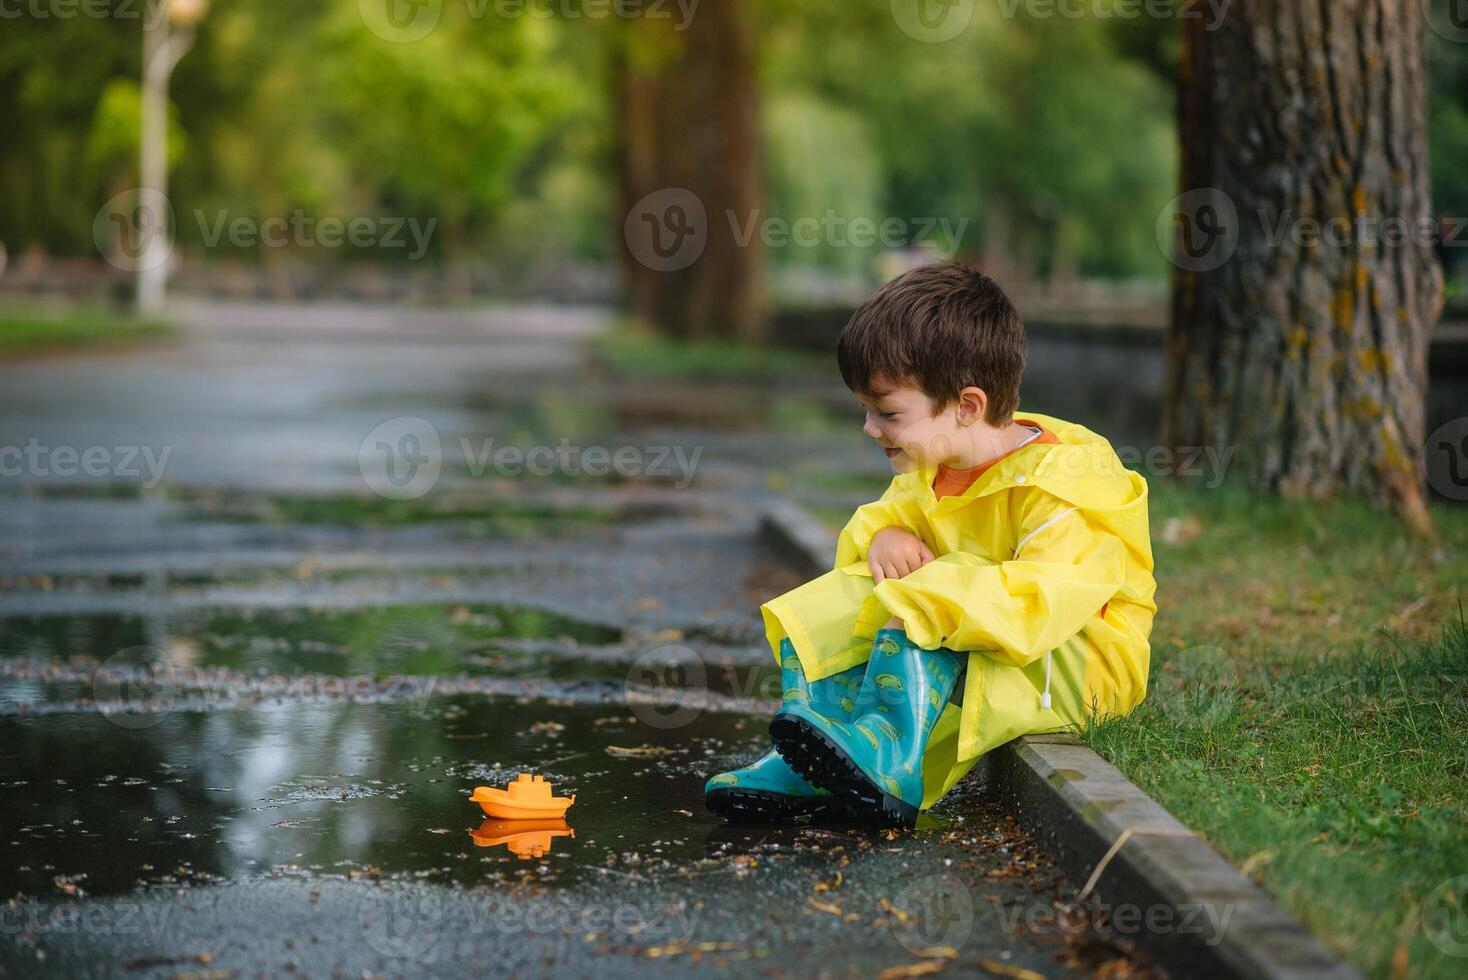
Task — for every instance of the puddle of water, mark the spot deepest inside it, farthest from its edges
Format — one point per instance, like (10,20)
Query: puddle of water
(411,639)
(54,660)
(348,788)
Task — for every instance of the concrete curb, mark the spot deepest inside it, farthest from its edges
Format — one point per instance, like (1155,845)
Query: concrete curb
(1165,888)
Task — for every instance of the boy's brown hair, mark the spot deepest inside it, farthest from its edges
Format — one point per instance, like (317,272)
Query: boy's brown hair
(939,328)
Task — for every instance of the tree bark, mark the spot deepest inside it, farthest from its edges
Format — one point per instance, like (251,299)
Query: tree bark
(1305,351)
(689,123)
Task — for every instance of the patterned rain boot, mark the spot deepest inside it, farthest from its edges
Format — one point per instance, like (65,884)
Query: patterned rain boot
(769,789)
(874,760)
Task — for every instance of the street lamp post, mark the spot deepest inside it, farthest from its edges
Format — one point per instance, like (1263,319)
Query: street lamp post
(166,40)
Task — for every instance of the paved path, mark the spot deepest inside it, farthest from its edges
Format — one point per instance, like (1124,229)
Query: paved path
(301,678)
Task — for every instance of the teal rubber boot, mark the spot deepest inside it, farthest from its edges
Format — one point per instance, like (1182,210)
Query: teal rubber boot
(769,789)
(874,759)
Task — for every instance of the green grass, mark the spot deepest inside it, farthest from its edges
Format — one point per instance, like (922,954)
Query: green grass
(1308,709)
(32,329)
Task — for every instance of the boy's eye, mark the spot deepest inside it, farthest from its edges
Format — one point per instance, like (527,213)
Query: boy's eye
(888,415)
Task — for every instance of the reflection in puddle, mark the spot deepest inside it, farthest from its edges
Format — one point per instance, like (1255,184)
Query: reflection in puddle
(347,789)
(199,659)
(524,838)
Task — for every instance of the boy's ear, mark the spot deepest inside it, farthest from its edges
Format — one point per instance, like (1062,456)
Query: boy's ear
(973,401)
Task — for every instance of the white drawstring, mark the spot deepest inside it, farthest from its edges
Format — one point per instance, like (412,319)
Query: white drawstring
(1045,698)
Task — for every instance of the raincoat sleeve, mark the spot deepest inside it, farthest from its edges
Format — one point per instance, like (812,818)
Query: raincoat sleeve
(1065,568)
(895,508)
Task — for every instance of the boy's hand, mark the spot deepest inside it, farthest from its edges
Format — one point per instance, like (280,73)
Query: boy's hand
(896,552)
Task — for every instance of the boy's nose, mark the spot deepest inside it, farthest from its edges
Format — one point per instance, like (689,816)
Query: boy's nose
(870,427)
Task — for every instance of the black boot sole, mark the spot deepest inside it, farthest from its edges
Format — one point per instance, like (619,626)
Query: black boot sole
(759,806)
(823,763)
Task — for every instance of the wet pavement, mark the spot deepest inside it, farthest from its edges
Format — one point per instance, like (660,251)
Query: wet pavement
(242,708)
(335,837)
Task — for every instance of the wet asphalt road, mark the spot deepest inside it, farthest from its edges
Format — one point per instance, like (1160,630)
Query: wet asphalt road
(242,704)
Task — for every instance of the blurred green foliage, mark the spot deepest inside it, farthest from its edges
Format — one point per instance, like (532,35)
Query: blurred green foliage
(1053,136)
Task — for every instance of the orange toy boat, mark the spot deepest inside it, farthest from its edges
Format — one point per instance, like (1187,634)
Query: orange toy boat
(525,839)
(526,798)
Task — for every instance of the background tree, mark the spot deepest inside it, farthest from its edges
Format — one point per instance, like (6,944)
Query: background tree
(687,99)
(1306,354)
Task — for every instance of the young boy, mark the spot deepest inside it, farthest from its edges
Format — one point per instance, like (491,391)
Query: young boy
(1002,585)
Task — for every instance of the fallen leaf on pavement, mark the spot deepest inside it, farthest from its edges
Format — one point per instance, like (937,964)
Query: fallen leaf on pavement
(824,906)
(912,970)
(637,751)
(1005,970)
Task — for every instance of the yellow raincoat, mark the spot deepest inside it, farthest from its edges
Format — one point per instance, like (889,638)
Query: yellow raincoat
(1042,571)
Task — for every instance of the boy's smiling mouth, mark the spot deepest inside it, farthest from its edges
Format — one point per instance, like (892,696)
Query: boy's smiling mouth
(891,451)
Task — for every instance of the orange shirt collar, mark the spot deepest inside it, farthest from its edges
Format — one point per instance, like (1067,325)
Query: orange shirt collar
(951,482)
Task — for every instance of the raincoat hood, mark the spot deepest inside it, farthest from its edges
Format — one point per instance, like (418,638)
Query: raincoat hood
(1082,469)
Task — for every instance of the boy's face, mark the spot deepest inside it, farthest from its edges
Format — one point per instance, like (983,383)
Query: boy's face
(901,419)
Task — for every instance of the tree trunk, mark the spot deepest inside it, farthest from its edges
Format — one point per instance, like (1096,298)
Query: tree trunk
(691,175)
(1301,317)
